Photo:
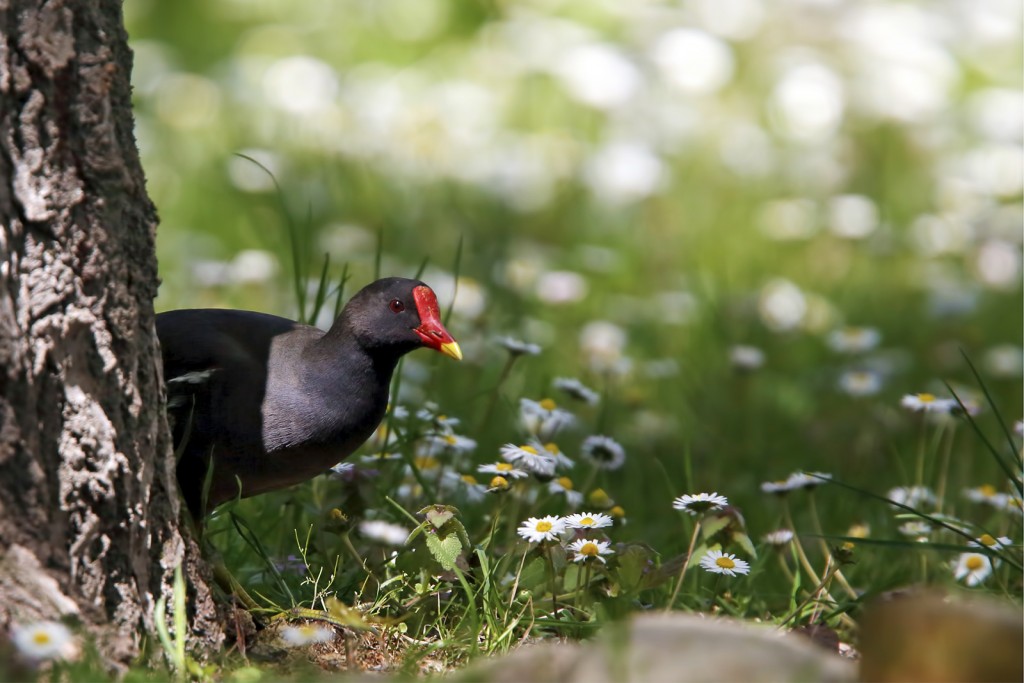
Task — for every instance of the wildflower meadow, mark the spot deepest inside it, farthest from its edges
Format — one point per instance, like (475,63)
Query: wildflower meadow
(738,286)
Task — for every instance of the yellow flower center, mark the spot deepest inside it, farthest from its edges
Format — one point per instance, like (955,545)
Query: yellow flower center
(974,563)
(499,483)
(599,497)
(425,462)
(565,483)
(543,526)
(548,404)
(587,521)
(848,545)
(442,418)
(725,563)
(469,479)
(551,448)
(926,398)
(450,440)
(41,638)
(504,467)
(529,449)
(986,539)
(589,549)
(987,490)
(617,511)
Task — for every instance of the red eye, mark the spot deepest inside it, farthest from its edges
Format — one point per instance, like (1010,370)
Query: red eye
(396,306)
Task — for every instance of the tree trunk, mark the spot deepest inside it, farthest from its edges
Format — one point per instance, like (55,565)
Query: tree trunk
(89,509)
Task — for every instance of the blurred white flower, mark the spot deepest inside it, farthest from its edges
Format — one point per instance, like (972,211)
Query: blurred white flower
(44,640)
(788,219)
(748,151)
(782,305)
(937,235)
(997,114)
(860,382)
(561,287)
(854,339)
(852,216)
(300,84)
(383,532)
(903,70)
(996,169)
(576,389)
(911,496)
(603,452)
(693,61)
(808,103)
(599,75)
(623,172)
(602,343)
(928,403)
(253,266)
(1005,361)
(732,19)
(745,357)
(998,264)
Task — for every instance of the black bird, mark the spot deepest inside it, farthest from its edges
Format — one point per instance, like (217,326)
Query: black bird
(272,402)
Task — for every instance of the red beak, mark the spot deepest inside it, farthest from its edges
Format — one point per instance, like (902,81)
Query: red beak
(431,331)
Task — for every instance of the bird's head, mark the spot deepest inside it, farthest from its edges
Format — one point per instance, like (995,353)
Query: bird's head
(399,314)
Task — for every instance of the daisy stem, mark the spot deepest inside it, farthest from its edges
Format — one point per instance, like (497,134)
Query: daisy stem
(806,564)
(815,594)
(686,564)
(919,465)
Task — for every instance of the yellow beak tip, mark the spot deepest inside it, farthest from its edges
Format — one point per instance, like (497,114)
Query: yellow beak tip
(452,350)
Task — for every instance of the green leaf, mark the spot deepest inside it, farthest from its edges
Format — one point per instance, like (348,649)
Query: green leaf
(445,550)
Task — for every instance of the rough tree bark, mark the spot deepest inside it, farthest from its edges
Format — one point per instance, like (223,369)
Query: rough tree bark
(88,502)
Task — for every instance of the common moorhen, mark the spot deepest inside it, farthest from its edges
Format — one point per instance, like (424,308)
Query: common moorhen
(272,402)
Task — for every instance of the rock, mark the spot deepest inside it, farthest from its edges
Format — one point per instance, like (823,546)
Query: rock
(932,637)
(673,648)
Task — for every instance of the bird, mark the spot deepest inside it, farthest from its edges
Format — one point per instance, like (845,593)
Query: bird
(268,402)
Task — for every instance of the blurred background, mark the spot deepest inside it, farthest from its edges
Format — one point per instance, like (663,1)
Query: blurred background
(753,226)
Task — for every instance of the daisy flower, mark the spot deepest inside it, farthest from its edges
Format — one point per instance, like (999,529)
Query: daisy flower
(986,493)
(717,562)
(859,530)
(564,486)
(972,568)
(540,529)
(44,640)
(383,532)
(529,458)
(437,420)
(603,451)
(455,444)
(746,358)
(343,471)
(561,460)
(854,339)
(516,347)
(576,389)
(1018,427)
(928,403)
(588,520)
(585,549)
(860,382)
(911,496)
(543,419)
(505,469)
(778,537)
(988,541)
(297,636)
(467,484)
(699,503)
